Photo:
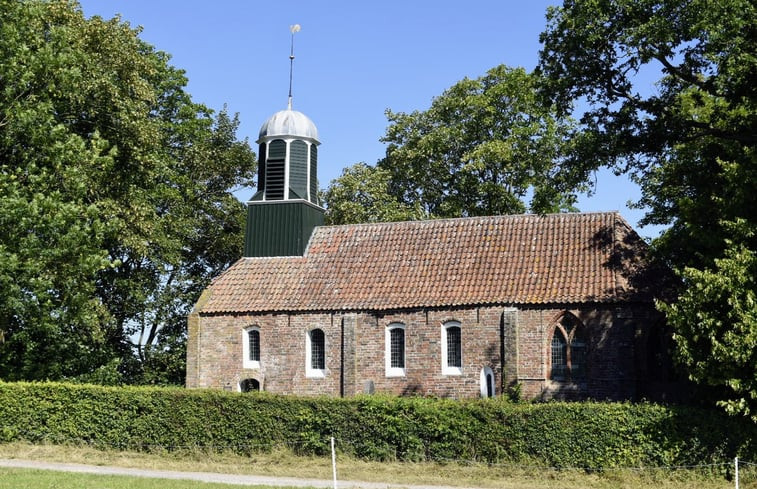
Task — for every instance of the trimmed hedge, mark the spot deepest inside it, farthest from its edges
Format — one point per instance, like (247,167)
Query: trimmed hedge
(590,435)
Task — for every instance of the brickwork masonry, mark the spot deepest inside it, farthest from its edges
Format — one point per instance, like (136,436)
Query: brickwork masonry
(513,342)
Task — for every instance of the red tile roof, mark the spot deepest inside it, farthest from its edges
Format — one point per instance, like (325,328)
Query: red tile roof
(523,259)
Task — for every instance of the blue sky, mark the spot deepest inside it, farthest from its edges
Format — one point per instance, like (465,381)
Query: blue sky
(353,60)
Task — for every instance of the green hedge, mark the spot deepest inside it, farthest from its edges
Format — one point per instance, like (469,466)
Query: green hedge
(590,435)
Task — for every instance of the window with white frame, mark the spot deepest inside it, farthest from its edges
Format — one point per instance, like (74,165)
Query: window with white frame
(315,353)
(452,348)
(251,347)
(394,351)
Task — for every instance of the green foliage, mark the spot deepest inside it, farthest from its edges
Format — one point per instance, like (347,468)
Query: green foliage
(715,320)
(116,206)
(482,148)
(514,392)
(361,194)
(689,143)
(587,435)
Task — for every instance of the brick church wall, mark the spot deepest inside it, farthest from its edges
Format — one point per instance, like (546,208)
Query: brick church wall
(514,344)
(612,361)
(282,353)
(423,352)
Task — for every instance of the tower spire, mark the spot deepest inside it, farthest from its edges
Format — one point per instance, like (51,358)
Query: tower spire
(284,211)
(293,29)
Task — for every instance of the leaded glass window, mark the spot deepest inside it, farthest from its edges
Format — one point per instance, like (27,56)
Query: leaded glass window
(253,338)
(569,350)
(577,358)
(559,356)
(397,347)
(454,347)
(317,350)
(394,350)
(251,347)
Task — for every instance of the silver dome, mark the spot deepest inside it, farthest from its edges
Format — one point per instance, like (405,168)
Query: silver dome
(288,123)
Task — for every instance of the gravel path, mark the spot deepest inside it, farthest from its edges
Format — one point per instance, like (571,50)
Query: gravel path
(242,480)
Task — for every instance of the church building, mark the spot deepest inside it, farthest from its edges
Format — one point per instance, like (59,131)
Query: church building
(555,306)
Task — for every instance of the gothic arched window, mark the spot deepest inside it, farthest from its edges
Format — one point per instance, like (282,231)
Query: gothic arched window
(568,350)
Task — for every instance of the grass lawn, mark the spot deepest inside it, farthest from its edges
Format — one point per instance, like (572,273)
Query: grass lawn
(46,479)
(286,464)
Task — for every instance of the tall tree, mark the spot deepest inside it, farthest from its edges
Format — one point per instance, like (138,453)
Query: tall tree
(484,147)
(690,143)
(118,203)
(716,313)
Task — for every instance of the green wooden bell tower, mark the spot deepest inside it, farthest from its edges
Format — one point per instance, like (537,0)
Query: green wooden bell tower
(282,214)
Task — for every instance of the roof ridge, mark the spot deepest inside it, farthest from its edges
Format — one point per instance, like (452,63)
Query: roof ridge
(470,218)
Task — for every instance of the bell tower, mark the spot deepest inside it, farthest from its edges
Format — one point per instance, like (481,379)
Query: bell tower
(284,211)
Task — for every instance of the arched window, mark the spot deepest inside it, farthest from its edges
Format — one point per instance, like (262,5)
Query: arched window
(251,347)
(568,350)
(315,353)
(486,381)
(394,350)
(249,385)
(452,348)
(559,356)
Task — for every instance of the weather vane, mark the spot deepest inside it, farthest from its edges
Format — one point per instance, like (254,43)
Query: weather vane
(293,29)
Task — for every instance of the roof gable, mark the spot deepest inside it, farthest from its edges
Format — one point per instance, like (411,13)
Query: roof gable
(524,259)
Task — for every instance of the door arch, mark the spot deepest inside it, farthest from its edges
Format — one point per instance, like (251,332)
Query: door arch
(486,381)
(249,385)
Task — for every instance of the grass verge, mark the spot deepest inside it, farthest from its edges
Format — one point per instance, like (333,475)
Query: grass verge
(285,464)
(43,479)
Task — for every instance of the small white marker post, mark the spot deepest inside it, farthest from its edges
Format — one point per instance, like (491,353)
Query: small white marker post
(333,461)
(736,462)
